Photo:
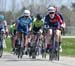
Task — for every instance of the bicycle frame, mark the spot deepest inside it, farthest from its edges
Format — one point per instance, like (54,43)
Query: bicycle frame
(19,49)
(54,49)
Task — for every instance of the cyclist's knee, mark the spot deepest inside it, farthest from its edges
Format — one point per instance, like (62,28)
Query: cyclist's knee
(58,34)
(50,32)
(17,36)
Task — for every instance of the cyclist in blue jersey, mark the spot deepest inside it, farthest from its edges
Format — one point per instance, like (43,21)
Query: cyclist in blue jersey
(1,24)
(2,32)
(23,23)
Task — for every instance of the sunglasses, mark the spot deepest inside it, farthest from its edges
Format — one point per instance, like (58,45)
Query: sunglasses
(25,16)
(51,13)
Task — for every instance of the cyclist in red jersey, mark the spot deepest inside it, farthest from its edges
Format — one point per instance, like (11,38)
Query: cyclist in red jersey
(62,31)
(53,20)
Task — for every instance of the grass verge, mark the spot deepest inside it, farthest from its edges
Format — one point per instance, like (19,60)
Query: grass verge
(68,45)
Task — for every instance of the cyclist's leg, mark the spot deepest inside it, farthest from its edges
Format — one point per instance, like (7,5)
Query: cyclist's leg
(57,25)
(49,34)
(12,43)
(17,35)
(60,40)
(30,36)
(58,35)
(45,38)
(12,34)
(40,39)
(25,29)
(57,40)
(41,35)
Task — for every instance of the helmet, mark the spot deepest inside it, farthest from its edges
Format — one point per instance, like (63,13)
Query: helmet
(51,9)
(1,17)
(26,13)
(39,17)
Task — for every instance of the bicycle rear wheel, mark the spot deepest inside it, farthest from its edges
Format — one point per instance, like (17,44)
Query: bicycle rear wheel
(51,54)
(44,49)
(1,48)
(57,54)
(44,53)
(1,51)
(33,52)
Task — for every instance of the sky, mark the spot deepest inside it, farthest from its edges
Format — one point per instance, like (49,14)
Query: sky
(8,5)
(19,2)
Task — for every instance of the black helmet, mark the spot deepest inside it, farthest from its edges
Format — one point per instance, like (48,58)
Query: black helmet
(39,17)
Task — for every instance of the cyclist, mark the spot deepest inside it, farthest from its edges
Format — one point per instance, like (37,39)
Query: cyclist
(23,23)
(6,27)
(12,33)
(53,20)
(37,26)
(62,28)
(4,22)
(2,30)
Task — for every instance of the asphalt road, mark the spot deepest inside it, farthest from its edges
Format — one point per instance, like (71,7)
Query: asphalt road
(12,60)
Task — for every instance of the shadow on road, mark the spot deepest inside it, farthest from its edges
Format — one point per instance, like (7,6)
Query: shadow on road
(14,58)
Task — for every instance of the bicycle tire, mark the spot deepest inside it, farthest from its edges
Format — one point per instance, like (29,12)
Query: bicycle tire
(1,49)
(21,52)
(57,54)
(51,55)
(1,52)
(43,49)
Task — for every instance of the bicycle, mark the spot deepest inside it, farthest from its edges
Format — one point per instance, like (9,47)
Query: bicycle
(54,49)
(1,43)
(34,45)
(20,46)
(44,45)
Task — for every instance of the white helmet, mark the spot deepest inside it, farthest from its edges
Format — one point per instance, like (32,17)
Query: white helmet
(51,9)
(26,13)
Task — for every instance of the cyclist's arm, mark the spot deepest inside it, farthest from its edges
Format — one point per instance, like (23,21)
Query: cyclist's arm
(30,27)
(33,23)
(16,24)
(61,16)
(46,23)
(59,20)
(3,31)
(5,26)
(30,24)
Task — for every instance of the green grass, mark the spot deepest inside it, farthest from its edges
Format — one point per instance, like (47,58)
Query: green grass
(8,44)
(68,45)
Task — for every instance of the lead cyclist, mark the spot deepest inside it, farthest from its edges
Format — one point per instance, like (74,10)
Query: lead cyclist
(23,23)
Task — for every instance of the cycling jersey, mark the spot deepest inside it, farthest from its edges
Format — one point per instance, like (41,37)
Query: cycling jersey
(23,24)
(23,21)
(12,28)
(55,22)
(37,24)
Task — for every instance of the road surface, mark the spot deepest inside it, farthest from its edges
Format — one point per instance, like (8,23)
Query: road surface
(12,60)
